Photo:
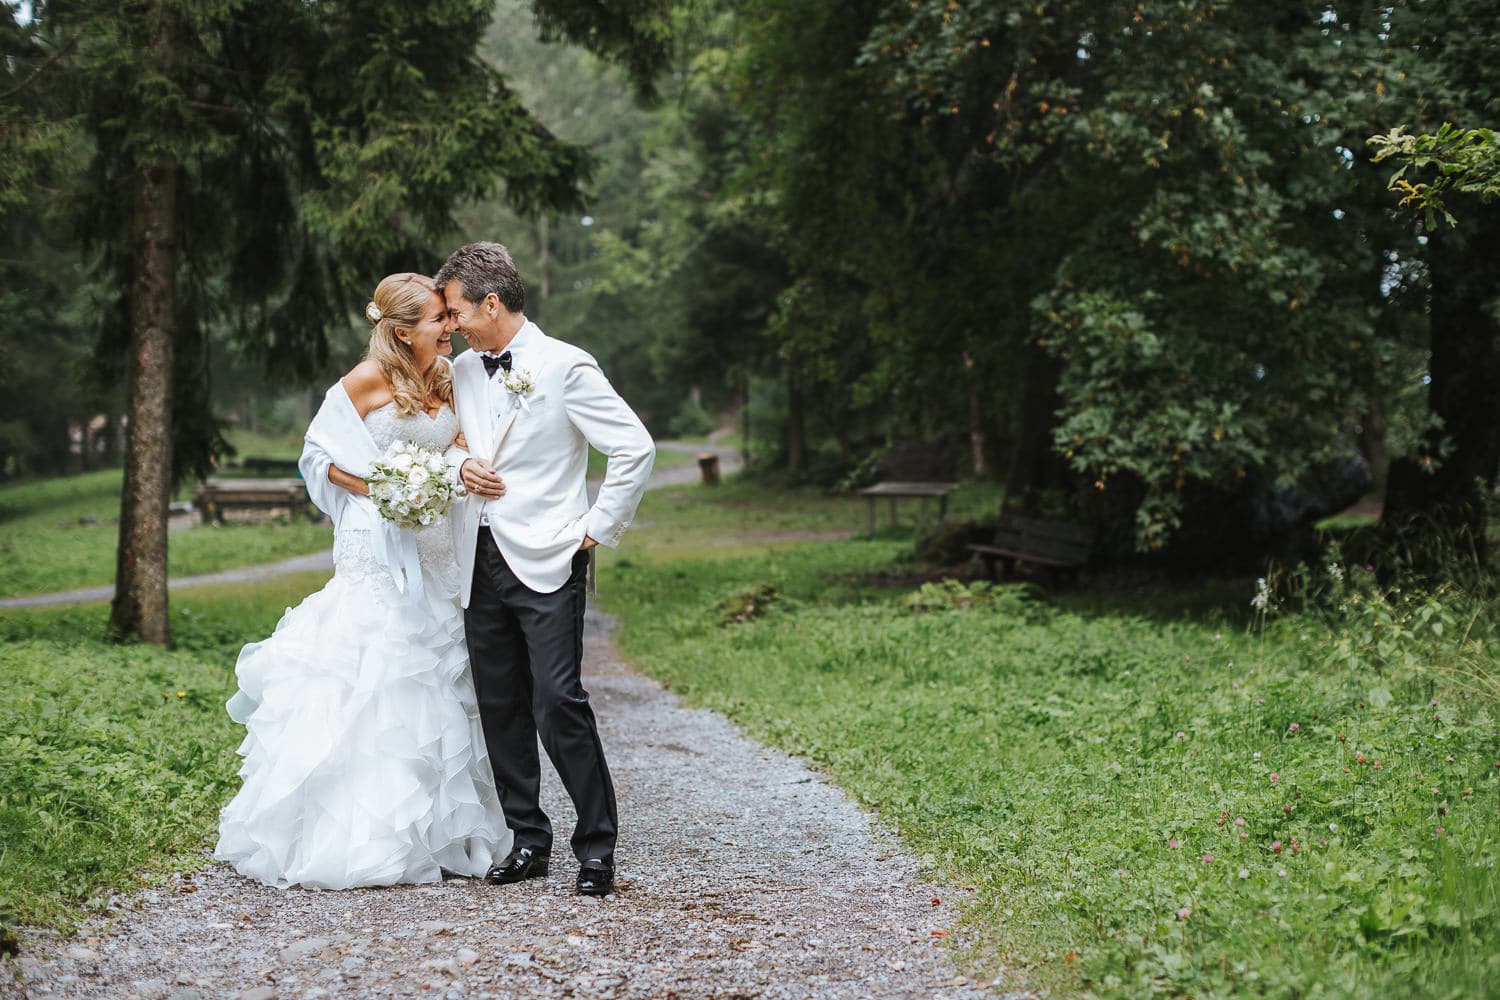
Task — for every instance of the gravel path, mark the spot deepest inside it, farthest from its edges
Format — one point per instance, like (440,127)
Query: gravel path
(245,574)
(678,475)
(742,874)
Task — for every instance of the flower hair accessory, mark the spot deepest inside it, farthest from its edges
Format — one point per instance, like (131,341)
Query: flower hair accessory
(372,313)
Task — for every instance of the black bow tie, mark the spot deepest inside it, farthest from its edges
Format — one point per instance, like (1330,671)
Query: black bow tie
(491,362)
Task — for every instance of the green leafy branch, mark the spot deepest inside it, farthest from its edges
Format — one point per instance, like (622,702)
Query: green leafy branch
(1467,162)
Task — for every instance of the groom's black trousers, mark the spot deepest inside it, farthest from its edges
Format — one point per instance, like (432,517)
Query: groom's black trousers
(525,650)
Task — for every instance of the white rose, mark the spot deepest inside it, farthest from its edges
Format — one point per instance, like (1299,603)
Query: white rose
(417,476)
(401,462)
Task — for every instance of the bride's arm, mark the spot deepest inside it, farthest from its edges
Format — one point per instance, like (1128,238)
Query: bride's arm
(348,481)
(367,389)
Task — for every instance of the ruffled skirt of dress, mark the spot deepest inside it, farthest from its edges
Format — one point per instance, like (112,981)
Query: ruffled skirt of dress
(364,760)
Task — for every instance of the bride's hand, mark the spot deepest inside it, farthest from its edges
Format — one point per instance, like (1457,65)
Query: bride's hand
(480,479)
(461,441)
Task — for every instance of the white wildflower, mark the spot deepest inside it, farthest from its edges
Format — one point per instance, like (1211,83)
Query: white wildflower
(1262,598)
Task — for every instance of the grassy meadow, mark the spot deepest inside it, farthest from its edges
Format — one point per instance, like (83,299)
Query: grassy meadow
(1118,791)
(1130,792)
(60,534)
(114,760)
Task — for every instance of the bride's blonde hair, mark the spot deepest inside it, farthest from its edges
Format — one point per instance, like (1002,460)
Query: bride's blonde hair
(398,303)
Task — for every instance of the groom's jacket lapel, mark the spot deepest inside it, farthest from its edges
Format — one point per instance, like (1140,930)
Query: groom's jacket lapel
(475,417)
(508,406)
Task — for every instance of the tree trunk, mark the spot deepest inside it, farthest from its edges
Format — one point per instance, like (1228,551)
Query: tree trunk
(1034,465)
(140,605)
(977,442)
(543,259)
(745,419)
(1437,502)
(796,424)
(1372,444)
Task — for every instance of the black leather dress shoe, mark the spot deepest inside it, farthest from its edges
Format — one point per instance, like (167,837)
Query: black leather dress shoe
(523,863)
(595,878)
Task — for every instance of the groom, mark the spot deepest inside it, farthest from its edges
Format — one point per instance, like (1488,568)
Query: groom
(530,407)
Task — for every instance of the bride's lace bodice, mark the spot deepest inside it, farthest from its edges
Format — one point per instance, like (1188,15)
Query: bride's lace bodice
(386,425)
(353,553)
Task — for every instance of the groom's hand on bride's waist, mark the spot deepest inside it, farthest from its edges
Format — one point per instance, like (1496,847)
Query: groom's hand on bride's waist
(481,479)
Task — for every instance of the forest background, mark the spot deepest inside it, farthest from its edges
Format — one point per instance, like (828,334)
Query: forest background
(1194,274)
(1134,261)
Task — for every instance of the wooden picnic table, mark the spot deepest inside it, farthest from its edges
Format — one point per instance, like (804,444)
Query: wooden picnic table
(897,491)
(214,496)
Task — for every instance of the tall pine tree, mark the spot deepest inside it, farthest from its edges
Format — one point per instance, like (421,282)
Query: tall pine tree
(260,164)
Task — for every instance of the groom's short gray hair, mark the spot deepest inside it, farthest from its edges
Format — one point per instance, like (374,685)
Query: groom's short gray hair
(484,268)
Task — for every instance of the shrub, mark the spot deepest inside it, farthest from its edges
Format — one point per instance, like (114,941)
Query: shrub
(1024,600)
(747,604)
(946,543)
(690,420)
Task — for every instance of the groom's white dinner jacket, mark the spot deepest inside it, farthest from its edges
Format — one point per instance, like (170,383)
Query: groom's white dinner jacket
(538,443)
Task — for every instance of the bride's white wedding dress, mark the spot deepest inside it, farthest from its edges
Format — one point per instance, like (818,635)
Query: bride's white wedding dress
(364,761)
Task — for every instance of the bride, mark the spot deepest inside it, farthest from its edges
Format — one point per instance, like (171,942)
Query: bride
(364,760)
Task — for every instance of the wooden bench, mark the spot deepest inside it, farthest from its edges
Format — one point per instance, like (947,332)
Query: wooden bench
(214,496)
(1057,546)
(898,490)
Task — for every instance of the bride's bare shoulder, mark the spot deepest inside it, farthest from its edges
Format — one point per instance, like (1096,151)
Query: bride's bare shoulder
(367,387)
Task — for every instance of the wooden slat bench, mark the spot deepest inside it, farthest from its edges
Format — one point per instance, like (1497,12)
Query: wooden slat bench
(897,490)
(1053,545)
(214,496)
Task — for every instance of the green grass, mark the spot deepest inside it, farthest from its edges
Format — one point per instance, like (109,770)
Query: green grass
(114,760)
(665,459)
(696,521)
(45,547)
(1044,759)
(283,445)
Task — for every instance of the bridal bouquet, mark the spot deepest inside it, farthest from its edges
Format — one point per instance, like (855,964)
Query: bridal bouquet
(409,485)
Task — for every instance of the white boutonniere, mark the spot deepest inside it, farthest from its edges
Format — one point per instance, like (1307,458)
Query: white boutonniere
(518,381)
